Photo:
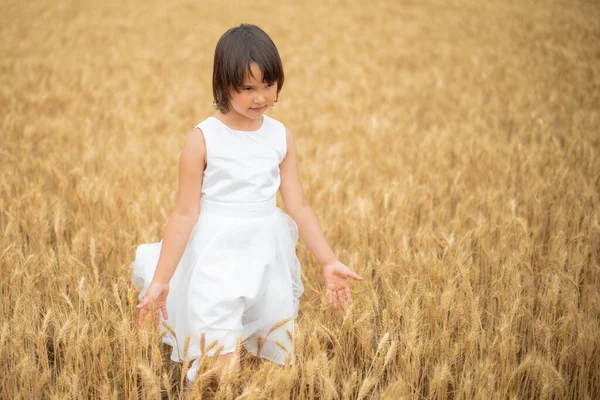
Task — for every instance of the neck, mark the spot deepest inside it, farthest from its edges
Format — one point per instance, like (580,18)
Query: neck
(240,122)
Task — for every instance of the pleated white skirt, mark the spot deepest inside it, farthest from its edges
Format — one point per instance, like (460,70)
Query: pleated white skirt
(239,276)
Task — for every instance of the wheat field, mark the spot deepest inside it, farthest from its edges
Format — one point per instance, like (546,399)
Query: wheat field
(449,148)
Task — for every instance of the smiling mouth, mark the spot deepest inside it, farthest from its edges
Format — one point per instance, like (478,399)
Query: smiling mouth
(257,108)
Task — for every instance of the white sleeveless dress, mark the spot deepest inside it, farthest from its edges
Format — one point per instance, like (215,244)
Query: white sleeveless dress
(239,274)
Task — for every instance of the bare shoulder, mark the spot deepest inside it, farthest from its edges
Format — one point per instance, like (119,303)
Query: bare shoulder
(289,139)
(288,133)
(290,149)
(196,138)
(194,148)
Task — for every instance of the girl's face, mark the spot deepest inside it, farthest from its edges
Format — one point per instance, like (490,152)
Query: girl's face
(254,97)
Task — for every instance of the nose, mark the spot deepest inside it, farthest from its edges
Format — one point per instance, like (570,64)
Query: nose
(259,98)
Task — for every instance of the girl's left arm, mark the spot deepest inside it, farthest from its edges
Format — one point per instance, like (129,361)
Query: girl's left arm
(292,193)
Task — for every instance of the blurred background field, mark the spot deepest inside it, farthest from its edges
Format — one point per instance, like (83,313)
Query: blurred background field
(449,148)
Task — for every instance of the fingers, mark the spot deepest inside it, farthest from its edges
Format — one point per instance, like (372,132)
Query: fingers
(335,300)
(339,296)
(145,306)
(341,300)
(142,304)
(353,275)
(344,297)
(348,295)
(156,316)
(338,288)
(142,316)
(343,271)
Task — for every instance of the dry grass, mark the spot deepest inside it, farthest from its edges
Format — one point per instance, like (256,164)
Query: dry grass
(450,149)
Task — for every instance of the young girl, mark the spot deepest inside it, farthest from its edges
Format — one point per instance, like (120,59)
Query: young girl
(227,264)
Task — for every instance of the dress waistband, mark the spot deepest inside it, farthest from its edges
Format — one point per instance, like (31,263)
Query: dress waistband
(258,208)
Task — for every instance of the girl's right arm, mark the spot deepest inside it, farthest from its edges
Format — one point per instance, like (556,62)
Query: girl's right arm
(192,163)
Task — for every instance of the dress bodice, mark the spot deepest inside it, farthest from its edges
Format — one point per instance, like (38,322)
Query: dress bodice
(242,166)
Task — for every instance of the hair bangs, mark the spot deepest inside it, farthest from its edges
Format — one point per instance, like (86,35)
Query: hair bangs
(269,64)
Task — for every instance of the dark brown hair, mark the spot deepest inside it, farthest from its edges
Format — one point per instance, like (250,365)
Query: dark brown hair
(236,50)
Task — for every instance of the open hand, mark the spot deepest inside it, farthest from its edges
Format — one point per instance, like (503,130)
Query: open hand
(157,294)
(338,287)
